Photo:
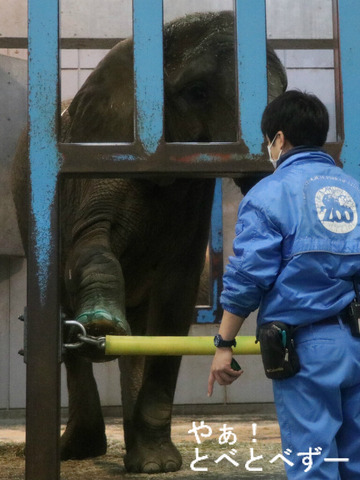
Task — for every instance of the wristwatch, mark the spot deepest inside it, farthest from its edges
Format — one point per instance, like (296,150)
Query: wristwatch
(220,342)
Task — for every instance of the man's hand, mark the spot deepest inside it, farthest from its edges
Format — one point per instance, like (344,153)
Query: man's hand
(221,370)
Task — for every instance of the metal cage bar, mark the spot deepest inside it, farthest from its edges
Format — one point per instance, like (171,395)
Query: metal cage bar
(43,357)
(252,82)
(213,312)
(148,72)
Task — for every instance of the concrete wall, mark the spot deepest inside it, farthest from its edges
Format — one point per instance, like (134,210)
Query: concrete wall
(312,71)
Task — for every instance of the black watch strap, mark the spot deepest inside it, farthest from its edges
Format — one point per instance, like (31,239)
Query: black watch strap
(220,342)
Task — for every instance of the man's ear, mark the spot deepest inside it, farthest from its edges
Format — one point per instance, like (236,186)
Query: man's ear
(284,144)
(281,139)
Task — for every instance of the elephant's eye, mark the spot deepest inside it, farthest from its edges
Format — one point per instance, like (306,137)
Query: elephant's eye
(196,93)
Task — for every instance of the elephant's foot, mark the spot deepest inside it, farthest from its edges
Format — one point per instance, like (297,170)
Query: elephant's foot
(80,443)
(98,323)
(153,456)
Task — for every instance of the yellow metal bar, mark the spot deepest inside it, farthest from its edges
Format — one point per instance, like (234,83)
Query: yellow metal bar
(115,345)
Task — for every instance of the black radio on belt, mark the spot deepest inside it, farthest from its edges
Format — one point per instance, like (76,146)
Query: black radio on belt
(354,320)
(354,313)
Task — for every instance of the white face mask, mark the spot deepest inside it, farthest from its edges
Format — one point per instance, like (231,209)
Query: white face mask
(273,161)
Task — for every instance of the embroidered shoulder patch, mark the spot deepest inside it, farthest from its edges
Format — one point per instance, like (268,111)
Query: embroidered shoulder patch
(336,209)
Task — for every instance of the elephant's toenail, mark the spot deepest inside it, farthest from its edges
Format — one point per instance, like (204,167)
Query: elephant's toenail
(151,467)
(171,467)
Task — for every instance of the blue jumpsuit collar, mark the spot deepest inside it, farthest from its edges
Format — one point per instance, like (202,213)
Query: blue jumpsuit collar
(304,153)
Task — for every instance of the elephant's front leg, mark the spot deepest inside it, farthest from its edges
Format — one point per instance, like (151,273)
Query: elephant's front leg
(151,449)
(85,431)
(95,284)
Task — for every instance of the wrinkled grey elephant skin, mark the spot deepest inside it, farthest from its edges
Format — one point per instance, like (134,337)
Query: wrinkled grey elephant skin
(133,249)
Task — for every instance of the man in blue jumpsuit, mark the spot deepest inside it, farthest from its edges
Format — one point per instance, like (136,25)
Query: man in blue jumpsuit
(296,257)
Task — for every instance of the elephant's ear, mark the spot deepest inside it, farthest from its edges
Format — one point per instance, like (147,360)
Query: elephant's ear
(102,110)
(276,75)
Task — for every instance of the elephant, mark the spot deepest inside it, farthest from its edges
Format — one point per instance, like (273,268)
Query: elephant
(133,248)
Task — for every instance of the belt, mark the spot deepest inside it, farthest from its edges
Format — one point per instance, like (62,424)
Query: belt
(334,319)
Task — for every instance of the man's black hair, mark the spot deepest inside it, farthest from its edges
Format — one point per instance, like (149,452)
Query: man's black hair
(302,117)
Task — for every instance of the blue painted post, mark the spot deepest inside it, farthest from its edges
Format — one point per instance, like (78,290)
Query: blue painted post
(148,72)
(213,314)
(349,14)
(252,79)
(42,325)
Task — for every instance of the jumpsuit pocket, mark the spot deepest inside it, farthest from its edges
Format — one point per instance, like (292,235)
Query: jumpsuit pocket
(278,352)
